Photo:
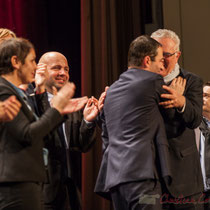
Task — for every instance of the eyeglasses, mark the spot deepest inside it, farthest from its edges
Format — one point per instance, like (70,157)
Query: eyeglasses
(206,95)
(167,54)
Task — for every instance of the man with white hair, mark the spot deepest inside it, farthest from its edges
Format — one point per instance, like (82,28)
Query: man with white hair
(179,123)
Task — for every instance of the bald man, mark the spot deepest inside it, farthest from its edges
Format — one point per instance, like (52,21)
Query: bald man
(76,134)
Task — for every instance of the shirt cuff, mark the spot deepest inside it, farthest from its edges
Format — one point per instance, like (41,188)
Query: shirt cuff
(89,124)
(183,108)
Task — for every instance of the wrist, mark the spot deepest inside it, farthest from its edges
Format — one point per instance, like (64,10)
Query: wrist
(40,89)
(182,105)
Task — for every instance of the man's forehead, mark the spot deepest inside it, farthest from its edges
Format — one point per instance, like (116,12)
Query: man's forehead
(167,43)
(206,89)
(57,60)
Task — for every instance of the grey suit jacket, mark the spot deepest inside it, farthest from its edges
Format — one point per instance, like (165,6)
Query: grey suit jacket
(80,138)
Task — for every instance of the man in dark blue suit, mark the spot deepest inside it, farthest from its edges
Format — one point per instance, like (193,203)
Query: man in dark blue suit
(135,148)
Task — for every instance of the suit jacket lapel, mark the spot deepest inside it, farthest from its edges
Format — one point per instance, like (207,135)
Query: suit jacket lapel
(24,107)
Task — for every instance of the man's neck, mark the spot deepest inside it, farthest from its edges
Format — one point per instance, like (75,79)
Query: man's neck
(173,74)
(138,67)
(13,78)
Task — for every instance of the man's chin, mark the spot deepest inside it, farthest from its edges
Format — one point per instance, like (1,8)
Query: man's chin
(162,73)
(59,86)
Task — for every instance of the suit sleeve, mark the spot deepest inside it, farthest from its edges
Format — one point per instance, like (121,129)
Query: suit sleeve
(23,127)
(192,114)
(28,132)
(82,136)
(104,133)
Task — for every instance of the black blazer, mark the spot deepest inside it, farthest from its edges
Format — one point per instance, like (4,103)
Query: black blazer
(80,137)
(21,141)
(134,141)
(185,162)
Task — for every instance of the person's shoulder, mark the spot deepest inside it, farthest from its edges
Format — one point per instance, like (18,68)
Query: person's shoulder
(193,80)
(6,86)
(190,75)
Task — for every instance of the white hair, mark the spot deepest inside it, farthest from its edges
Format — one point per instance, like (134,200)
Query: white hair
(165,33)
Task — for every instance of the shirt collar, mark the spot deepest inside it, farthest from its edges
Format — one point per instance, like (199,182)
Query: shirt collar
(173,74)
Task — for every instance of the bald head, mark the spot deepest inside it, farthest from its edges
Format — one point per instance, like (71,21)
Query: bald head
(58,69)
(51,56)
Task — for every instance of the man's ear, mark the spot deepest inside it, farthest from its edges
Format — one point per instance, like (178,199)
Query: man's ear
(146,61)
(15,62)
(178,54)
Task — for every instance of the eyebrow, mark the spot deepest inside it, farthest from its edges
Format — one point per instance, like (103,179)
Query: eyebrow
(59,67)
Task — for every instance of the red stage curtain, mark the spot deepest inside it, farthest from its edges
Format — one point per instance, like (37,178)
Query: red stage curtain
(107,28)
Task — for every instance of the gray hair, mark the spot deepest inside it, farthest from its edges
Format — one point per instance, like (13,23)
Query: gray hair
(165,33)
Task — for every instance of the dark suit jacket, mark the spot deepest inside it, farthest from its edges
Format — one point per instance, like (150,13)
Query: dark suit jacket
(134,141)
(21,141)
(206,134)
(80,137)
(186,171)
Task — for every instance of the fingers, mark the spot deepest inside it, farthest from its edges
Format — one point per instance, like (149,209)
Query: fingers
(92,102)
(74,105)
(10,112)
(8,115)
(101,99)
(184,83)
(11,108)
(169,89)
(13,102)
(179,81)
(41,67)
(167,104)
(106,88)
(167,96)
(173,83)
(70,86)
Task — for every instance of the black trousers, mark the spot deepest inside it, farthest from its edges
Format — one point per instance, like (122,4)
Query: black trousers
(67,198)
(21,196)
(139,195)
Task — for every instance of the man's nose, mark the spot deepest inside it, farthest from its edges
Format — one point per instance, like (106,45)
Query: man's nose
(204,99)
(62,71)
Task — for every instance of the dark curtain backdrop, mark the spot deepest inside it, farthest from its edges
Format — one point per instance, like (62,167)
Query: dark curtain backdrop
(51,25)
(107,28)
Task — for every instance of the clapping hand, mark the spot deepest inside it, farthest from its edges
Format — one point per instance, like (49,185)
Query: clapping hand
(91,109)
